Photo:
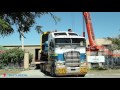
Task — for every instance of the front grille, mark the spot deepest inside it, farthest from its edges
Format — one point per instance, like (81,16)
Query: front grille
(72,58)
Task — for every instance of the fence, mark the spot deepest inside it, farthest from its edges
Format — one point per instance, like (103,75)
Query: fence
(112,62)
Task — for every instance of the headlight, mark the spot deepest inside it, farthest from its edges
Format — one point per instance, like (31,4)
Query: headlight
(59,63)
(83,63)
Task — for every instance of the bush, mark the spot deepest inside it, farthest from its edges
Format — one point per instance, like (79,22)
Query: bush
(13,56)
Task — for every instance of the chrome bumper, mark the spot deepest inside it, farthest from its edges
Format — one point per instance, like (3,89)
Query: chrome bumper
(71,71)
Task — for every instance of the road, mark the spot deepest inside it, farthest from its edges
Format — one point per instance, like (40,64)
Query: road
(90,74)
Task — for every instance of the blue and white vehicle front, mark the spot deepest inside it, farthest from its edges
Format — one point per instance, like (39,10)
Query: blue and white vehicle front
(70,59)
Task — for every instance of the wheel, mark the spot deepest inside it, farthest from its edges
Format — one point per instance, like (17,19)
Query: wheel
(44,68)
(41,68)
(37,66)
(81,75)
(52,72)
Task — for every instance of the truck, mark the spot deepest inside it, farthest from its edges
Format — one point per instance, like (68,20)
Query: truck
(96,57)
(63,53)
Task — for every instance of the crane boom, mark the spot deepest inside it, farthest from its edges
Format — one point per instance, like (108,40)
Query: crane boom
(91,36)
(89,27)
(95,52)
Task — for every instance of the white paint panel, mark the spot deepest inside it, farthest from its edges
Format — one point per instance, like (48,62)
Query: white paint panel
(96,59)
(63,50)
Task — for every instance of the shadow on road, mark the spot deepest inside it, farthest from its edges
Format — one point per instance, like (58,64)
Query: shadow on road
(48,74)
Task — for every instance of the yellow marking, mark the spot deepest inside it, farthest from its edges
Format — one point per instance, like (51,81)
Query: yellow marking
(83,70)
(55,54)
(45,33)
(61,71)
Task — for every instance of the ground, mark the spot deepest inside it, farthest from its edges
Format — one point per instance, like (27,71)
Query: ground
(37,74)
(4,73)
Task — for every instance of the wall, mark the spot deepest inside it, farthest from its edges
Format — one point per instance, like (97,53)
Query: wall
(29,48)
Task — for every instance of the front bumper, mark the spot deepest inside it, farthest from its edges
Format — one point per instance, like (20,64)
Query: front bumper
(62,71)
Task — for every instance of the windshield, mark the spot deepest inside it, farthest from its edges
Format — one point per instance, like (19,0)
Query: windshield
(79,42)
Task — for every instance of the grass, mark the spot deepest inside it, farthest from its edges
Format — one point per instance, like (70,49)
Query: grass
(109,71)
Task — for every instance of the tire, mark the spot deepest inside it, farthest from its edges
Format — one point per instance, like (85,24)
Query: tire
(37,66)
(44,68)
(41,68)
(81,75)
(52,72)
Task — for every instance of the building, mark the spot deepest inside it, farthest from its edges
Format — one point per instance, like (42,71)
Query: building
(33,49)
(103,42)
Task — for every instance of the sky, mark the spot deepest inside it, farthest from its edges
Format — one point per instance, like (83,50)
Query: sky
(105,24)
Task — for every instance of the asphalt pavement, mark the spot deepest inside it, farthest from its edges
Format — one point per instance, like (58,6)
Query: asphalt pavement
(91,74)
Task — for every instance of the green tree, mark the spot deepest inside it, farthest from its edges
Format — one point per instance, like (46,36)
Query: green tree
(13,56)
(22,20)
(115,42)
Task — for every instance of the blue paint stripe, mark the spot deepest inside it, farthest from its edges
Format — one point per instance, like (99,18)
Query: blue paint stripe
(82,57)
(57,57)
(60,57)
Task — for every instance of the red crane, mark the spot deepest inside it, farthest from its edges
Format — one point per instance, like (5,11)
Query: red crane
(93,46)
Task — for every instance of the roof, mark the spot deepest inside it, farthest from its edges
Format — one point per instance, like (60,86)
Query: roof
(21,45)
(65,34)
(102,41)
(2,48)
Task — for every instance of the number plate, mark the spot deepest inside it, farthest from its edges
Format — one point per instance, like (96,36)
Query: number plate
(72,68)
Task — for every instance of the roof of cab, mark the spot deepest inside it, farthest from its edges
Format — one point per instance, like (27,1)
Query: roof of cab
(65,34)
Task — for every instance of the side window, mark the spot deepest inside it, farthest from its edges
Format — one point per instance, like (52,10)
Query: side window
(81,43)
(51,45)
